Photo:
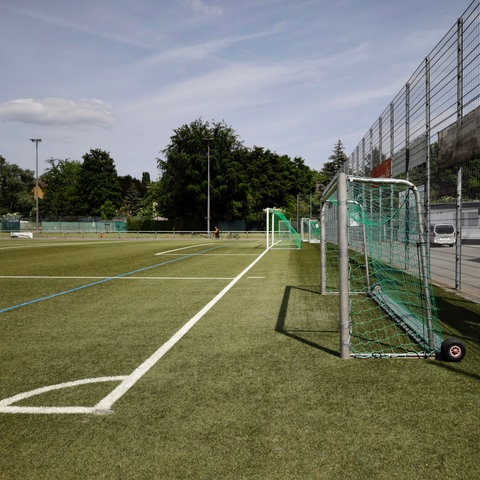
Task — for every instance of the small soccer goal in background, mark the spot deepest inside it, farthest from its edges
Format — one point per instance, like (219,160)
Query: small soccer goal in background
(374,255)
(310,230)
(279,231)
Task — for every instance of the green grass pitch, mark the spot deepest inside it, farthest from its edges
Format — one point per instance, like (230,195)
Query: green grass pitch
(254,390)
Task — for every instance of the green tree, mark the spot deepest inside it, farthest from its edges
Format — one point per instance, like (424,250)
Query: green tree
(108,210)
(337,159)
(471,187)
(99,182)
(132,201)
(16,189)
(272,180)
(133,193)
(150,205)
(146,178)
(62,194)
(184,172)
(444,179)
(243,181)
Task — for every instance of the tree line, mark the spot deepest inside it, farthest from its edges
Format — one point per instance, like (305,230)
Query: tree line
(201,158)
(243,181)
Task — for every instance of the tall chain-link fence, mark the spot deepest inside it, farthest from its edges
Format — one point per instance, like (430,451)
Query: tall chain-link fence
(429,134)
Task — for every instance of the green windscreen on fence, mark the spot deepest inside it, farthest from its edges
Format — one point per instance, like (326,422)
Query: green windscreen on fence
(93,226)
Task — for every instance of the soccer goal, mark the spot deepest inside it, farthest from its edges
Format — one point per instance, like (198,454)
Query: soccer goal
(374,256)
(310,230)
(279,231)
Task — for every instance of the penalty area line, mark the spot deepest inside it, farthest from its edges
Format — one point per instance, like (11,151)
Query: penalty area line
(107,279)
(107,402)
(184,248)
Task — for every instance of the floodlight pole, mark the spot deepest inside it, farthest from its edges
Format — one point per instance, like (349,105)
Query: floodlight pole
(208,187)
(36,141)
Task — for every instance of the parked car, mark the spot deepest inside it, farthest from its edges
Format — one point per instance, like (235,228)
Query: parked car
(442,234)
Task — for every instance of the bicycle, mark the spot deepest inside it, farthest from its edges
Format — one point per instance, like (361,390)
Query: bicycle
(233,235)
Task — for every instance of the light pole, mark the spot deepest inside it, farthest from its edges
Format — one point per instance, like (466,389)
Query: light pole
(208,187)
(36,141)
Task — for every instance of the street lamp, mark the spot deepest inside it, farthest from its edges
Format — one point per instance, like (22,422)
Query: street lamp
(36,141)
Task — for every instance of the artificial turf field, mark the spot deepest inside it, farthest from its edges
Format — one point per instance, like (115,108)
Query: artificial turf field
(254,389)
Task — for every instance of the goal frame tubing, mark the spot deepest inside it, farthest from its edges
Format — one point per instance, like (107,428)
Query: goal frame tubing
(340,185)
(270,230)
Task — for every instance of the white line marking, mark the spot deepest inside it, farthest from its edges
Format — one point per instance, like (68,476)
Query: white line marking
(219,254)
(53,277)
(126,381)
(47,410)
(183,248)
(6,404)
(107,402)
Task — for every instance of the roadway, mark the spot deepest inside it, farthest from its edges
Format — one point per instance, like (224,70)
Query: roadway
(442,269)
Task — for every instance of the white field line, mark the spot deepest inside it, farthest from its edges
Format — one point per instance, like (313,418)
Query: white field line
(183,248)
(172,252)
(218,254)
(54,277)
(54,243)
(62,277)
(7,407)
(127,381)
(107,402)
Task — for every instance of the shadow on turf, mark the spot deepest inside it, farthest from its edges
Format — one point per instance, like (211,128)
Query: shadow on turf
(460,316)
(461,319)
(456,369)
(282,316)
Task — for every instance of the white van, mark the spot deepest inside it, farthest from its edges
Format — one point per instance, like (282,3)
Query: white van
(442,234)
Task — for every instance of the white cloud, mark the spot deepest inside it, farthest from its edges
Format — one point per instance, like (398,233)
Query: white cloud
(290,76)
(235,86)
(232,85)
(91,24)
(201,7)
(364,97)
(202,50)
(57,111)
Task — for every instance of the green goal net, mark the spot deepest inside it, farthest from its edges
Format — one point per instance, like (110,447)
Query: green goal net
(374,255)
(310,230)
(280,232)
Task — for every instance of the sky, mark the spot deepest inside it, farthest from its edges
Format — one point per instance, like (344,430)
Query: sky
(291,76)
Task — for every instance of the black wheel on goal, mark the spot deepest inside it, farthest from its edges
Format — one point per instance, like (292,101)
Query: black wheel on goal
(453,350)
